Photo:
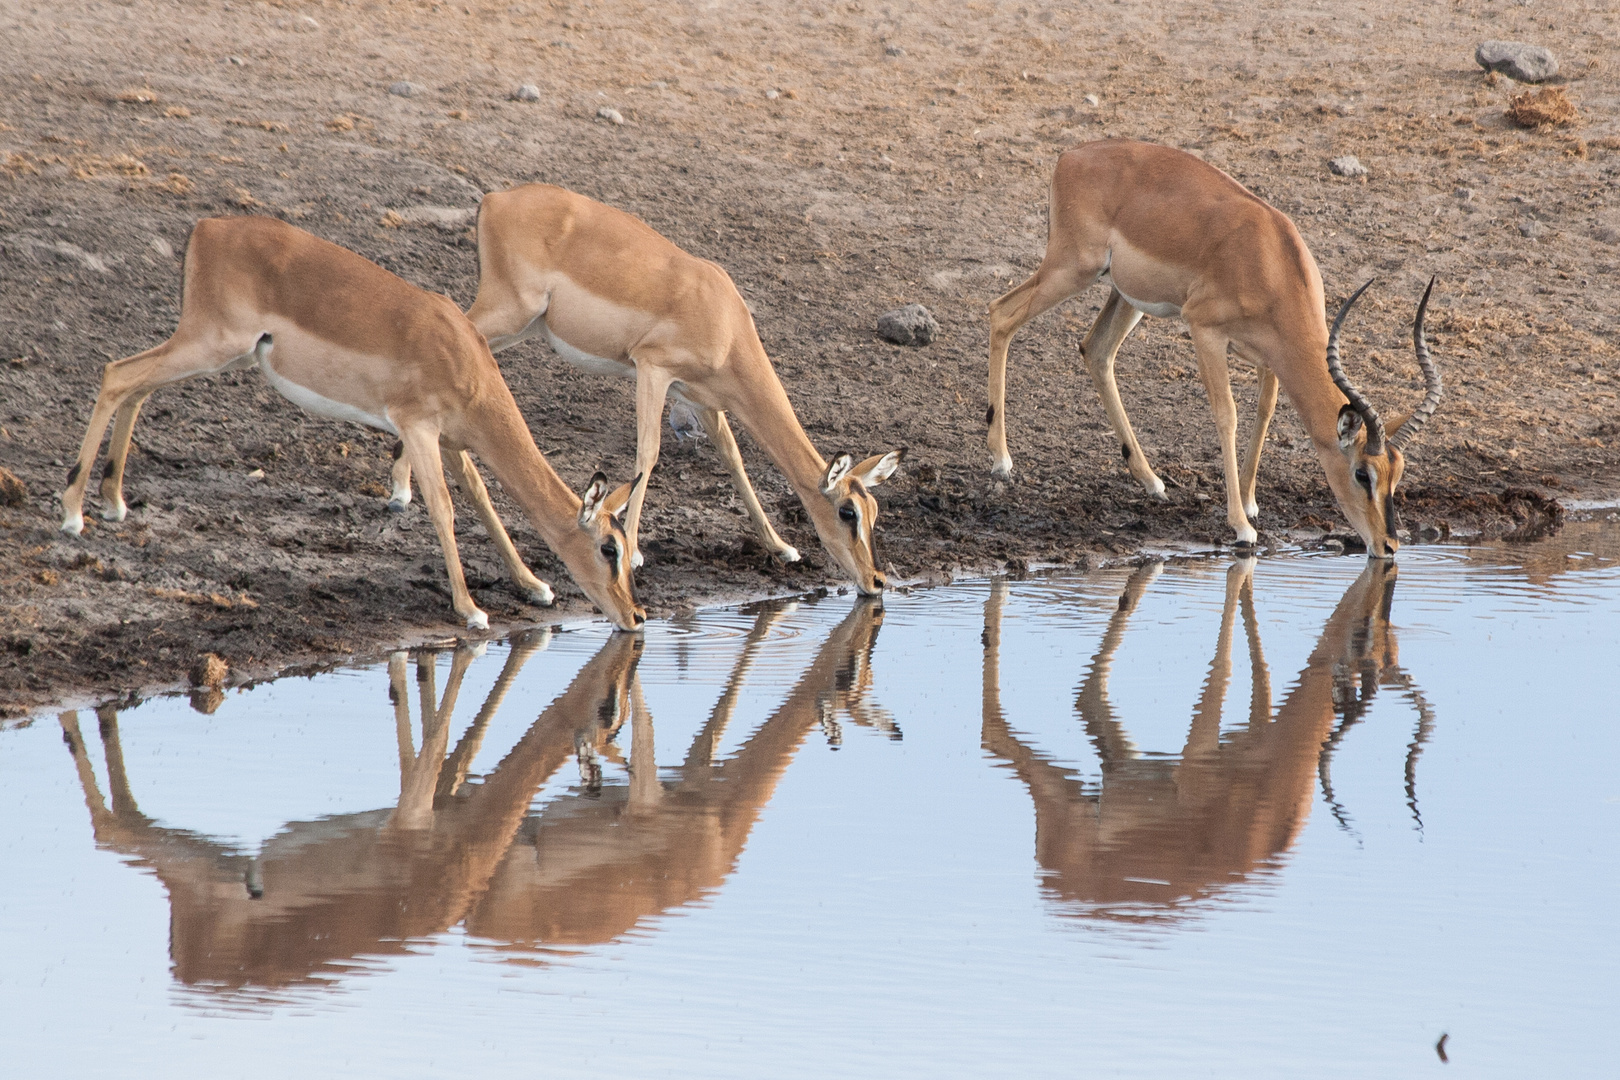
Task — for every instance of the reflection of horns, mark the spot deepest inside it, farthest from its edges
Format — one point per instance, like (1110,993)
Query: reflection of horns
(1425,726)
(1431,378)
(1369,415)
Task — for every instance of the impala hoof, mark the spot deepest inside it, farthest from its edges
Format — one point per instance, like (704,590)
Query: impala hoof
(1002,469)
(539,594)
(1246,537)
(116,512)
(73,524)
(477,620)
(789,554)
(636,560)
(396,506)
(1155,488)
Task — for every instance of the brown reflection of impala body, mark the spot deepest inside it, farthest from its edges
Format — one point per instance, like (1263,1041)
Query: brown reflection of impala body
(1159,833)
(323,893)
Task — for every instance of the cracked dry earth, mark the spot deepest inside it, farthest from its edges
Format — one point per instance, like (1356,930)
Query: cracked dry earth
(839,159)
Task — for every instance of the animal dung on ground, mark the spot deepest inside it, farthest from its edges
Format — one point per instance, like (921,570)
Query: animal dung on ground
(1517,60)
(909,325)
(1348,165)
(208,671)
(1548,107)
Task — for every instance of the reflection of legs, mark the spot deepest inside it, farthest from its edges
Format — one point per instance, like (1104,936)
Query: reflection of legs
(1211,347)
(472,484)
(1204,734)
(419,781)
(1263,412)
(399,694)
(652,385)
(645,791)
(1044,290)
(454,773)
(714,422)
(707,742)
(1113,743)
(1114,322)
(422,449)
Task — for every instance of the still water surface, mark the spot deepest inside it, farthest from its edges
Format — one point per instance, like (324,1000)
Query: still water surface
(1287,818)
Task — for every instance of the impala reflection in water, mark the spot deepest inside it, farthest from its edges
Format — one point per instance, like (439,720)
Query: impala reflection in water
(1159,833)
(598,859)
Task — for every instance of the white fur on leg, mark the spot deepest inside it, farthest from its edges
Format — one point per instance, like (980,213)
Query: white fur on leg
(73,523)
(1247,536)
(541,595)
(115,511)
(789,554)
(1002,469)
(477,620)
(1252,508)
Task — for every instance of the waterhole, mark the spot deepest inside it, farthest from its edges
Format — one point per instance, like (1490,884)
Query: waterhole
(1304,816)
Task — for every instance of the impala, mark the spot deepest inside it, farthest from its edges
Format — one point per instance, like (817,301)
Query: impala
(1175,236)
(343,338)
(614,297)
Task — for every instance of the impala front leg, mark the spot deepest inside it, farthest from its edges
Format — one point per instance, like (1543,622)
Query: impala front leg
(1263,413)
(652,386)
(112,476)
(714,422)
(1217,378)
(422,449)
(531,587)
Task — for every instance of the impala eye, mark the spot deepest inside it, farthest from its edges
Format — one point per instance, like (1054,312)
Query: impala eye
(847,513)
(610,553)
(1364,478)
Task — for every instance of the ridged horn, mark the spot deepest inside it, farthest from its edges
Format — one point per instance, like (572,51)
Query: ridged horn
(1431,378)
(1369,415)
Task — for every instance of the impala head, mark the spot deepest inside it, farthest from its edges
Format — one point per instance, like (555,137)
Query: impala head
(846,519)
(1373,462)
(600,562)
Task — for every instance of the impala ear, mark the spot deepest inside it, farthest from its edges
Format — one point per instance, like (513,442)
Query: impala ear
(837,469)
(596,492)
(1349,423)
(878,468)
(615,503)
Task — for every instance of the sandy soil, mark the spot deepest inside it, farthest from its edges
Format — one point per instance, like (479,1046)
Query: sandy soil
(840,160)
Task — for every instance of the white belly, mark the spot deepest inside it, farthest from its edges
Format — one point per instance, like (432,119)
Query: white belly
(311,402)
(1159,311)
(596,365)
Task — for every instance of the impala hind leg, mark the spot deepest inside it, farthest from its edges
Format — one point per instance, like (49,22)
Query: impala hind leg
(400,474)
(422,450)
(112,473)
(124,385)
(1211,347)
(714,422)
(652,385)
(467,478)
(1044,290)
(1114,323)
(1264,410)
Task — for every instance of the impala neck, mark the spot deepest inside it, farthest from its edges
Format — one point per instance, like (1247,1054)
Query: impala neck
(498,435)
(1301,368)
(758,400)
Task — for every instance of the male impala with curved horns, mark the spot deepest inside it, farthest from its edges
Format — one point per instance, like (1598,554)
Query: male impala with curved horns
(343,338)
(1174,236)
(615,298)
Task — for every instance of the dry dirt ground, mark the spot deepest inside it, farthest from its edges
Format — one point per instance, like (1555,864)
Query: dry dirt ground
(839,159)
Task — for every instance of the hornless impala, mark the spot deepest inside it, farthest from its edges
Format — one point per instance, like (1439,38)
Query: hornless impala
(344,338)
(1175,236)
(614,297)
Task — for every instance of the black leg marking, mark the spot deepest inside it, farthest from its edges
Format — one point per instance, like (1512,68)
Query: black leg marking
(399,449)
(73,474)
(990,415)
(1124,451)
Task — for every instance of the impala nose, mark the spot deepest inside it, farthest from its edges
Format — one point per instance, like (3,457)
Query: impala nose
(879,582)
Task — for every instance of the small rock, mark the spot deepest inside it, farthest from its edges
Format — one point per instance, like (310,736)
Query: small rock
(1517,60)
(772,95)
(1093,100)
(445,218)
(13,492)
(402,89)
(1348,165)
(526,92)
(239,61)
(893,50)
(305,24)
(910,325)
(208,671)
(611,115)
(160,246)
(1464,194)
(1531,229)
(256,474)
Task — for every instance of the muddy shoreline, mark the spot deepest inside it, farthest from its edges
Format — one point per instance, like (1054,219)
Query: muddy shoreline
(839,163)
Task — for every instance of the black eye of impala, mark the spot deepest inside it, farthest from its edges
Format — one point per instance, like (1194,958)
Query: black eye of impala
(1364,478)
(846,513)
(610,552)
